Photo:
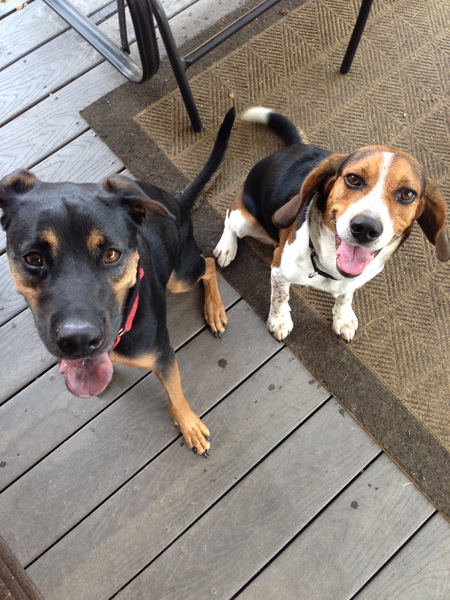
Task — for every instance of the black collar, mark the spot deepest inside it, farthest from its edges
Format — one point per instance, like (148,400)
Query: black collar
(316,270)
(303,217)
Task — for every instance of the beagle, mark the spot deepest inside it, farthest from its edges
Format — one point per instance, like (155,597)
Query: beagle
(334,219)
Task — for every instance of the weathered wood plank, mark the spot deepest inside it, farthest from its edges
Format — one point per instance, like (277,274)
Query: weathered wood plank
(86,158)
(11,303)
(41,73)
(47,406)
(69,55)
(55,121)
(25,30)
(34,25)
(23,356)
(349,541)
(172,492)
(102,456)
(246,529)
(420,571)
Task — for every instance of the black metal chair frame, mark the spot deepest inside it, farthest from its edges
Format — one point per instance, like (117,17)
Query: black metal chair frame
(143,14)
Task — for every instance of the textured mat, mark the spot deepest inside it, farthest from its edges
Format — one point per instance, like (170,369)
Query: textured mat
(394,377)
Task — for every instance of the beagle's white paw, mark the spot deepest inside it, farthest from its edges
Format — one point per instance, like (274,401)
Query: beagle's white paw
(345,322)
(280,325)
(226,249)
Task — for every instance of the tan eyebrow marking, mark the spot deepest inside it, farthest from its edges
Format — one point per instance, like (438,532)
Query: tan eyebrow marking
(49,236)
(95,239)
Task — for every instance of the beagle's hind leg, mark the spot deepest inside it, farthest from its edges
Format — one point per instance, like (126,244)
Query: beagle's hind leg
(238,223)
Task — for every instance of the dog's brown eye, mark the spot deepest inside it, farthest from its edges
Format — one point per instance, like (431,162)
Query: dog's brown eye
(112,255)
(353,180)
(406,196)
(34,259)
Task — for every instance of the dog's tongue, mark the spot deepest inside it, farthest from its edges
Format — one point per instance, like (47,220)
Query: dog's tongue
(87,376)
(352,259)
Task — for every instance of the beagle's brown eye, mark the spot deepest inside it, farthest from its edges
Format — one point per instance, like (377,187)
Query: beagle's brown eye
(406,196)
(34,259)
(112,256)
(353,180)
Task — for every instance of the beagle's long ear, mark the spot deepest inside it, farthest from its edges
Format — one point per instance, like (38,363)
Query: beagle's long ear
(134,199)
(12,186)
(432,219)
(320,179)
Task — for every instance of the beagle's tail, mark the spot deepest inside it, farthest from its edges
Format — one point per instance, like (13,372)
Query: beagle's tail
(189,195)
(276,122)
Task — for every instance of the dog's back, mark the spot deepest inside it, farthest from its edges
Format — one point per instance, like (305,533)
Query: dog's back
(281,173)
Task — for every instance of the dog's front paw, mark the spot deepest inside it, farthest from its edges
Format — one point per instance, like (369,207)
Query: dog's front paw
(226,249)
(215,317)
(195,433)
(280,325)
(345,324)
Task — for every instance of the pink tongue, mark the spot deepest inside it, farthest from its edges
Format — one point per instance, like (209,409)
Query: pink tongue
(87,376)
(353,259)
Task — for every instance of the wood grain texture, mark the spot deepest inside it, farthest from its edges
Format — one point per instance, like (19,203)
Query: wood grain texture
(112,447)
(33,26)
(44,414)
(238,536)
(420,571)
(174,490)
(349,541)
(23,356)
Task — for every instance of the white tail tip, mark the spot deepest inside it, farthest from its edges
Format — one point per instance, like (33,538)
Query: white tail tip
(257,114)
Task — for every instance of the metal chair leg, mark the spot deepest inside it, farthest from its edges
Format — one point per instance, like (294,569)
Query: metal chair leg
(142,17)
(178,65)
(356,36)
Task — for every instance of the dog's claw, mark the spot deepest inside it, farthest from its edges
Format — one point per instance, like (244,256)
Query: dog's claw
(206,453)
(194,450)
(207,437)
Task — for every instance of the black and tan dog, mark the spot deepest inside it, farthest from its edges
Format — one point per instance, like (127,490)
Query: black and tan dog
(93,261)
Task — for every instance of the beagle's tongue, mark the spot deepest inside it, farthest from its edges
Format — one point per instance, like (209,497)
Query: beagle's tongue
(352,259)
(87,376)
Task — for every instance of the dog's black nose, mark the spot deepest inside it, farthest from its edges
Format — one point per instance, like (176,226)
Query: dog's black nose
(79,338)
(365,229)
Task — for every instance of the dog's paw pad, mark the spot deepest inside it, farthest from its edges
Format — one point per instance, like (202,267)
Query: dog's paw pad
(280,327)
(345,329)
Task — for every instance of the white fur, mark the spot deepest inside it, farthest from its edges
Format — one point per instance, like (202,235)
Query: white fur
(236,226)
(257,114)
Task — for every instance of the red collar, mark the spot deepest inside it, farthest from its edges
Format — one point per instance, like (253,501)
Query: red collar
(134,292)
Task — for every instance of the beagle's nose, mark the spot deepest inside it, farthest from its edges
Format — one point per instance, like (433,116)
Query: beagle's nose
(365,229)
(78,338)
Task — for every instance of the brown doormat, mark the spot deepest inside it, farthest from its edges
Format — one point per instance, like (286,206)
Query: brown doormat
(394,376)
(14,582)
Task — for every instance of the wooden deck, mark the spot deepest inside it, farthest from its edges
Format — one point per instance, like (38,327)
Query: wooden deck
(99,497)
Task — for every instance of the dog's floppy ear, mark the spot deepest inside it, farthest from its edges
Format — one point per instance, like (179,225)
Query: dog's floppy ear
(134,199)
(13,186)
(432,219)
(320,179)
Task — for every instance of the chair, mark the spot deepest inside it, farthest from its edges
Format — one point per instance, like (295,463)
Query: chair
(144,13)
